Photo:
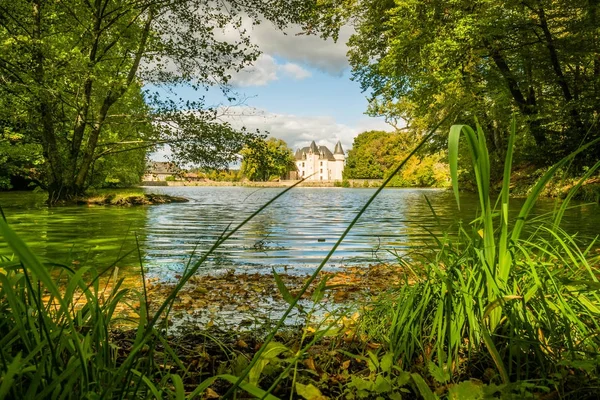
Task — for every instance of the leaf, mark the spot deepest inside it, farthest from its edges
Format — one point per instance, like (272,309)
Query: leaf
(310,364)
(273,350)
(309,392)
(422,387)
(285,293)
(361,384)
(386,362)
(373,362)
(440,374)
(467,390)
(382,385)
(9,375)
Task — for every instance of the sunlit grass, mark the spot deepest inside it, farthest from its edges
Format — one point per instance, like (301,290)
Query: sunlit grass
(522,302)
(494,294)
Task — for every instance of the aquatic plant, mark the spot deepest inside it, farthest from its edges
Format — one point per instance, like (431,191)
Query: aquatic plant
(523,298)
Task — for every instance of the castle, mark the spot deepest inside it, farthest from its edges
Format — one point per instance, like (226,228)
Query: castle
(318,163)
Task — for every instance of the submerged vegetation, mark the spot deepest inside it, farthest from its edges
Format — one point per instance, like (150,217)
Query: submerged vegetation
(505,310)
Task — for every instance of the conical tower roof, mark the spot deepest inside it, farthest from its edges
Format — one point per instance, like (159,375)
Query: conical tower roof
(338,148)
(314,147)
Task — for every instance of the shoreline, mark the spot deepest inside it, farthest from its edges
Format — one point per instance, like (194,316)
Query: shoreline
(127,199)
(346,184)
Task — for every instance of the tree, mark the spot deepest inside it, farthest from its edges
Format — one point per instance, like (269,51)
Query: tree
(265,159)
(17,158)
(375,154)
(73,71)
(422,60)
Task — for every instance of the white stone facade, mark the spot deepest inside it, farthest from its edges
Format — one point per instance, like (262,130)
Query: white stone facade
(318,163)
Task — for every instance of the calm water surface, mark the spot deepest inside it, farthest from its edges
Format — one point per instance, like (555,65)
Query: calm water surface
(296,232)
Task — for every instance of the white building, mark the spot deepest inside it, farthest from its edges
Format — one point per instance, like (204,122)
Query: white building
(319,163)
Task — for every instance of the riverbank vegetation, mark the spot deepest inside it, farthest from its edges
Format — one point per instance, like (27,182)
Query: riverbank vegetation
(374,155)
(264,160)
(71,80)
(506,309)
(127,198)
(419,61)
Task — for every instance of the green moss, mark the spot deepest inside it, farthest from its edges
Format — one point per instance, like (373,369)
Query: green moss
(131,197)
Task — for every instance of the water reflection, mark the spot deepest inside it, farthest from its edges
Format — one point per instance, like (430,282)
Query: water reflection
(295,232)
(79,235)
(300,228)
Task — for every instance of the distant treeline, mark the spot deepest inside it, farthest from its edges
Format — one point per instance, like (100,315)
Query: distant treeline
(375,154)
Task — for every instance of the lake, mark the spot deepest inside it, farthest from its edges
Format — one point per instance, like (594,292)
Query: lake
(295,233)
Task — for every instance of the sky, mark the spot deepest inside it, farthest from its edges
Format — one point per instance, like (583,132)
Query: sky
(298,90)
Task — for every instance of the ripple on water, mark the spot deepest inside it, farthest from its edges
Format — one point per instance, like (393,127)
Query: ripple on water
(297,231)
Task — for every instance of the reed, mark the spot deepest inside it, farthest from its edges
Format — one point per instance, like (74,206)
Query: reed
(523,298)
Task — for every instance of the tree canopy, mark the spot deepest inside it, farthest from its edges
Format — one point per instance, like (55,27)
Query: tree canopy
(423,60)
(267,159)
(72,75)
(375,154)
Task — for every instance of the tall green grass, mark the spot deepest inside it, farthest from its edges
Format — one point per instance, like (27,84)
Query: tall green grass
(50,347)
(522,298)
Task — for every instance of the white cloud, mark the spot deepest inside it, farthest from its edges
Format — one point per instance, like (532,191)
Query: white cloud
(295,46)
(294,71)
(299,131)
(291,44)
(265,70)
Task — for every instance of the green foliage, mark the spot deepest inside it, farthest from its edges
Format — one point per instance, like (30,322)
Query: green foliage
(423,59)
(18,157)
(375,153)
(72,72)
(224,175)
(264,160)
(385,378)
(519,298)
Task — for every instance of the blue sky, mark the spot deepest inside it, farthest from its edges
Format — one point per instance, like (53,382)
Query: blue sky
(299,90)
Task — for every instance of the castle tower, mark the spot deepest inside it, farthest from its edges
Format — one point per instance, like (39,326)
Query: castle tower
(340,158)
(338,153)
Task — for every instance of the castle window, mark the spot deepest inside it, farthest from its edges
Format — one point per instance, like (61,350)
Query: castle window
(321,178)
(321,169)
(321,163)
(303,164)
